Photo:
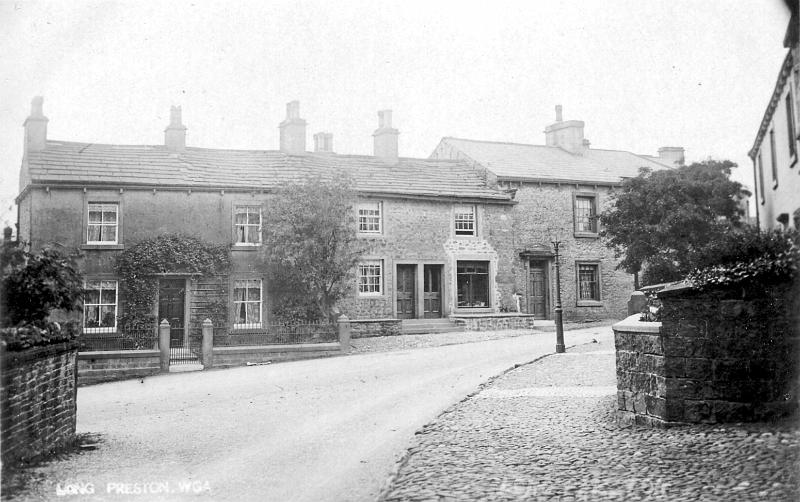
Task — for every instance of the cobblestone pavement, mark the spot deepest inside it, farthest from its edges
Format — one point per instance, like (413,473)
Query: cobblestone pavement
(546,431)
(403,342)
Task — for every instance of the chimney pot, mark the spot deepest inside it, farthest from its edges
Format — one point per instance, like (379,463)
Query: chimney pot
(323,142)
(386,138)
(672,155)
(175,133)
(293,130)
(567,135)
(36,127)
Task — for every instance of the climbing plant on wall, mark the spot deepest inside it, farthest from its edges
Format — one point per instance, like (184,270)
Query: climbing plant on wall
(139,266)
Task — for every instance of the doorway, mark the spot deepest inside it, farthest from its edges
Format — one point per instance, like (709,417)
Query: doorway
(171,304)
(539,304)
(432,291)
(406,286)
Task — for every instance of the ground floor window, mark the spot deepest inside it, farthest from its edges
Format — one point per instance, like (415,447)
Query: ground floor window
(370,277)
(247,303)
(588,282)
(100,307)
(473,283)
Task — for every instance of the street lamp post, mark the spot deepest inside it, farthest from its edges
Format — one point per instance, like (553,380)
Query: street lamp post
(559,311)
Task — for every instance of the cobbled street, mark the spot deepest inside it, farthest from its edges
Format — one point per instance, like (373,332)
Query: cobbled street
(546,431)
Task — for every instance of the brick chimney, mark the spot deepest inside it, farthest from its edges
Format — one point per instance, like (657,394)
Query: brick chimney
(386,138)
(36,127)
(671,155)
(293,130)
(567,135)
(175,133)
(323,142)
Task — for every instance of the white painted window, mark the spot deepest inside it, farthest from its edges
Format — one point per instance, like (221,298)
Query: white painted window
(102,223)
(586,213)
(588,281)
(247,299)
(370,278)
(100,307)
(370,217)
(247,225)
(465,220)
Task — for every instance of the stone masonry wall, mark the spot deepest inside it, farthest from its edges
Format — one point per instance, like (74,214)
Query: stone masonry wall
(494,322)
(38,401)
(361,328)
(107,366)
(718,356)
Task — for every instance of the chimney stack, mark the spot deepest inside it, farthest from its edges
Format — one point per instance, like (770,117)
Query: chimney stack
(175,133)
(386,138)
(293,130)
(671,155)
(567,135)
(36,127)
(323,142)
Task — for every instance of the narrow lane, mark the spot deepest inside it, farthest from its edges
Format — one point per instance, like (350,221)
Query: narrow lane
(329,429)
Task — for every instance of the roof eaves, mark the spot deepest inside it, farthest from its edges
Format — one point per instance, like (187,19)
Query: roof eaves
(783,75)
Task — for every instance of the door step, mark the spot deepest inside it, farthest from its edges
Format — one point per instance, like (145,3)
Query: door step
(181,368)
(429,326)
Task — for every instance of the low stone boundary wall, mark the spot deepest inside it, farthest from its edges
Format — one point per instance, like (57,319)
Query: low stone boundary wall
(111,365)
(717,356)
(37,401)
(361,328)
(491,322)
(226,357)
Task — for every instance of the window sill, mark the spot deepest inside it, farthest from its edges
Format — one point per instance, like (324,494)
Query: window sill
(369,235)
(100,331)
(102,247)
(246,247)
(589,303)
(473,310)
(587,235)
(370,296)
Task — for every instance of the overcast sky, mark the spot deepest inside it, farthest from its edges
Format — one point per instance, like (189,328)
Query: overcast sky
(642,75)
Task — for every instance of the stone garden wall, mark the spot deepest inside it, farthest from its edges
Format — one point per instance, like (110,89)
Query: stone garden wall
(492,322)
(717,356)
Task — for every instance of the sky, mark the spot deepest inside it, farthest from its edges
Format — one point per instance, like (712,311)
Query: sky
(640,74)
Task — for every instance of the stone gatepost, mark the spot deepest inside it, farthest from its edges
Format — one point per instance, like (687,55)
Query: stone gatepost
(344,333)
(163,344)
(208,344)
(637,303)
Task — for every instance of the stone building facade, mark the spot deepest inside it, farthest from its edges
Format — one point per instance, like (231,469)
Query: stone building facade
(560,188)
(775,150)
(439,238)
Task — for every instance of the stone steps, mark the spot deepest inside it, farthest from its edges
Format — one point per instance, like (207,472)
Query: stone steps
(429,326)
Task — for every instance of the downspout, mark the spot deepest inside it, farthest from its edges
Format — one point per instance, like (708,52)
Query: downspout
(755,184)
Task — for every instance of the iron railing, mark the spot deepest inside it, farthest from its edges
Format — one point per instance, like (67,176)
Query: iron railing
(275,334)
(99,339)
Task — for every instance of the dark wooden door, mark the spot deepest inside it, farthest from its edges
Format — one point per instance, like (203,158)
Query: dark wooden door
(171,299)
(538,290)
(433,291)
(406,285)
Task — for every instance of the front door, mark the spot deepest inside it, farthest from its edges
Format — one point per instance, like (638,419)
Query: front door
(538,290)
(171,297)
(433,291)
(406,284)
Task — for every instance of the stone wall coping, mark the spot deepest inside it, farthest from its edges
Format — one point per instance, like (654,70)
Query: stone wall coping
(118,354)
(632,324)
(490,316)
(305,347)
(389,319)
(12,358)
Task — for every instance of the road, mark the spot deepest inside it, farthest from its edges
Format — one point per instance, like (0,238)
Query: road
(317,430)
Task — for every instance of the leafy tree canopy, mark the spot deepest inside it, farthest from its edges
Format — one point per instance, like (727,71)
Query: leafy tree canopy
(311,247)
(34,284)
(661,220)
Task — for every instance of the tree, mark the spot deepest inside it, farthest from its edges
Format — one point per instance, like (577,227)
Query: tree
(311,247)
(661,220)
(34,284)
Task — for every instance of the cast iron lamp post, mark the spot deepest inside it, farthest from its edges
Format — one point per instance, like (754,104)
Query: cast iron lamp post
(559,311)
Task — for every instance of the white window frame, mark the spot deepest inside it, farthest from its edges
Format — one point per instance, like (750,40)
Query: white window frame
(99,305)
(588,302)
(102,207)
(367,220)
(247,227)
(366,270)
(465,217)
(592,196)
(246,301)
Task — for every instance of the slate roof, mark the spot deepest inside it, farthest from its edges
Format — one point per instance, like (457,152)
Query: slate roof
(86,163)
(551,163)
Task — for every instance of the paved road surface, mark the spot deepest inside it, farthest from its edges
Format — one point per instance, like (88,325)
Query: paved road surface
(329,429)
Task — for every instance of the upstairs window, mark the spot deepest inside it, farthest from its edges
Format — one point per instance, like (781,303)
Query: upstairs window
(247,225)
(102,223)
(465,220)
(247,304)
(370,218)
(370,278)
(585,214)
(790,125)
(761,177)
(773,157)
(100,307)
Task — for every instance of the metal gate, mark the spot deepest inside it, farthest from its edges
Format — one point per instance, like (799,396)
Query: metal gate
(188,350)
(183,348)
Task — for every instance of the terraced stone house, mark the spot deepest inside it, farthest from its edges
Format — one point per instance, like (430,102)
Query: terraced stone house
(560,188)
(440,239)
